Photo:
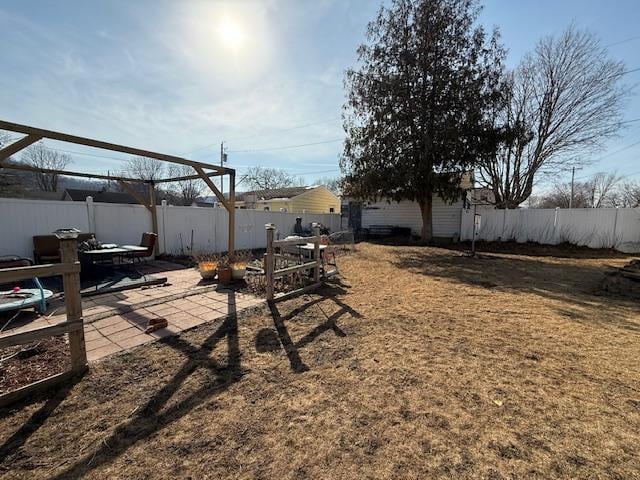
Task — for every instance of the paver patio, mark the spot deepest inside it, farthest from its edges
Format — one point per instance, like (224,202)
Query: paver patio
(116,321)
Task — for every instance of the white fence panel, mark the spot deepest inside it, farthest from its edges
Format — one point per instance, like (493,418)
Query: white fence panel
(21,219)
(592,227)
(181,230)
(121,224)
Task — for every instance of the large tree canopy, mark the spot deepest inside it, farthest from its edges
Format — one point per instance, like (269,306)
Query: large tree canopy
(417,111)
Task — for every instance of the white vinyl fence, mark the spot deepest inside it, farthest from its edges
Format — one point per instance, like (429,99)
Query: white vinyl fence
(617,228)
(181,229)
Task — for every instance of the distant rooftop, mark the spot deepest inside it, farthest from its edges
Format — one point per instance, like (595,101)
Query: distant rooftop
(288,192)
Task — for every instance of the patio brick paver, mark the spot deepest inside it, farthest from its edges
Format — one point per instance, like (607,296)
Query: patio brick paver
(116,321)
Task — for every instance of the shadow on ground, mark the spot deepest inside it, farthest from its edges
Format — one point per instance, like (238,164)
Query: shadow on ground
(572,283)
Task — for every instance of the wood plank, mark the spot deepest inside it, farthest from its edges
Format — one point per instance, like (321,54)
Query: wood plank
(29,168)
(285,296)
(269,261)
(15,274)
(231,208)
(188,177)
(135,194)
(16,146)
(37,387)
(154,217)
(44,332)
(73,305)
(212,186)
(298,241)
(64,137)
(296,268)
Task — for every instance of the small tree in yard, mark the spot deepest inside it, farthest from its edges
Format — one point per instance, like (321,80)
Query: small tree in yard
(416,116)
(562,102)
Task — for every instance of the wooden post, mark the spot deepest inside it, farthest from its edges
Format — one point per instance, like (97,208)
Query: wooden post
(316,252)
(231,209)
(73,304)
(154,215)
(269,260)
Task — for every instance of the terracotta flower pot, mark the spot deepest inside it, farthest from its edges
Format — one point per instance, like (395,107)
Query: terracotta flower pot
(224,274)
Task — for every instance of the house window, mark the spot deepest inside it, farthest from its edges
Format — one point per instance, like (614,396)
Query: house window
(331,210)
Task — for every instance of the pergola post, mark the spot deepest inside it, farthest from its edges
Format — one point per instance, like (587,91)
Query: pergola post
(154,215)
(231,209)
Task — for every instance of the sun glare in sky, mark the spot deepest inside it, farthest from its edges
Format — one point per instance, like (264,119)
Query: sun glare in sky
(230,33)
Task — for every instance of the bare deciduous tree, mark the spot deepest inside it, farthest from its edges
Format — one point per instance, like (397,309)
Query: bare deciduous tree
(601,191)
(145,168)
(39,156)
(261,178)
(562,103)
(332,183)
(187,190)
(628,194)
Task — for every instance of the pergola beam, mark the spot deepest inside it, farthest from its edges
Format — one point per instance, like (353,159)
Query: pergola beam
(18,145)
(188,177)
(89,142)
(35,134)
(28,168)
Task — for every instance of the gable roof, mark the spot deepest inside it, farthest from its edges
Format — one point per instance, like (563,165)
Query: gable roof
(80,195)
(272,193)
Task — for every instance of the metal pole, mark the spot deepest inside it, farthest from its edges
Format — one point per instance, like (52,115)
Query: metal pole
(473,239)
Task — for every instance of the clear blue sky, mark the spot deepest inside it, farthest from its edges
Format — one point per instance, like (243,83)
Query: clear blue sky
(179,77)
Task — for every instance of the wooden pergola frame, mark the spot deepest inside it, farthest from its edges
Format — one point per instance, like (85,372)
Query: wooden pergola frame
(33,135)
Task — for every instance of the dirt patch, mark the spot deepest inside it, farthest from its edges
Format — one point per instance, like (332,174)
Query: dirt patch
(421,363)
(25,364)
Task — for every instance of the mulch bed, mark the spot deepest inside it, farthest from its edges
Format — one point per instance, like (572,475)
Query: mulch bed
(24,364)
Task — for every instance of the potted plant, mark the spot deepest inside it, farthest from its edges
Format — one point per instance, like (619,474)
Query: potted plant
(208,266)
(239,264)
(224,270)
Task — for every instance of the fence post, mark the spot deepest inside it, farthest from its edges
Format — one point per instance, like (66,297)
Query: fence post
(316,252)
(615,226)
(91,216)
(73,302)
(269,260)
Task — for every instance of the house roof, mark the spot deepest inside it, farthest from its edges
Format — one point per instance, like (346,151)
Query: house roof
(272,193)
(80,195)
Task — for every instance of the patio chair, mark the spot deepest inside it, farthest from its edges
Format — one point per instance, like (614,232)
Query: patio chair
(149,242)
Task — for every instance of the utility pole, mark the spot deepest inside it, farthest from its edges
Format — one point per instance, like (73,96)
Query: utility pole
(573,174)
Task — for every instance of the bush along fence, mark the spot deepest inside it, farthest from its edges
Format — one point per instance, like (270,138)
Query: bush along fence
(617,228)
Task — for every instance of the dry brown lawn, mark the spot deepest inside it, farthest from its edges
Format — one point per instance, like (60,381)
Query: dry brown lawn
(422,363)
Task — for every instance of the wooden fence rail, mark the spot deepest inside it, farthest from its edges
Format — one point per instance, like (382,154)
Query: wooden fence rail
(73,326)
(271,273)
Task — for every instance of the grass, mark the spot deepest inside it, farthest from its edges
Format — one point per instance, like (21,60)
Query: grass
(420,363)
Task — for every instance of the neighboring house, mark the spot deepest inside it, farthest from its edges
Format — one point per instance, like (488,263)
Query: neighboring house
(314,199)
(446,217)
(99,196)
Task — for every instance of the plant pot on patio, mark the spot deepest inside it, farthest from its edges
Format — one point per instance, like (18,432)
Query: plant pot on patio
(238,271)
(224,274)
(208,270)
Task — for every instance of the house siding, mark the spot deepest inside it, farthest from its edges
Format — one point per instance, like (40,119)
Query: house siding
(446,217)
(318,200)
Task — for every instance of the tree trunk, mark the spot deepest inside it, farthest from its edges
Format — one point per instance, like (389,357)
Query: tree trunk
(426,209)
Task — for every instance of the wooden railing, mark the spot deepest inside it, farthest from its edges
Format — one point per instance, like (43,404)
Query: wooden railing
(271,273)
(73,326)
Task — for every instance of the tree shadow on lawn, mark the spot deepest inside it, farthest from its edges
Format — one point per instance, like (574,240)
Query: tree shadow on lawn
(575,285)
(265,340)
(148,419)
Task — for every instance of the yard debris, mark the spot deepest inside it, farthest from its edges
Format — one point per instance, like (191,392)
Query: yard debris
(156,324)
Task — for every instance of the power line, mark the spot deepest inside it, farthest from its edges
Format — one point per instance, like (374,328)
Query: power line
(277,131)
(626,40)
(286,147)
